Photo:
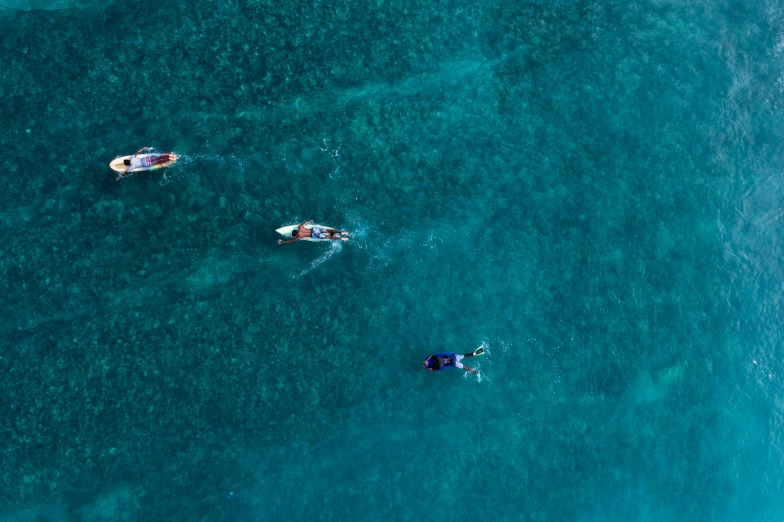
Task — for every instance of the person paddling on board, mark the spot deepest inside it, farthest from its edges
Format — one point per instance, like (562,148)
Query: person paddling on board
(303,232)
(442,361)
(143,163)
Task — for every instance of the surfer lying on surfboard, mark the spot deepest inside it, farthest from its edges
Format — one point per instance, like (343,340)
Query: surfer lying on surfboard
(315,232)
(442,361)
(145,162)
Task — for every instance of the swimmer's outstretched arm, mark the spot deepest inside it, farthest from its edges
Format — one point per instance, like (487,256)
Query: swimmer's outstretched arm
(123,174)
(142,149)
(281,242)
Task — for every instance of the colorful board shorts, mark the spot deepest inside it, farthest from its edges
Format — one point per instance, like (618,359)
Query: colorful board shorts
(318,232)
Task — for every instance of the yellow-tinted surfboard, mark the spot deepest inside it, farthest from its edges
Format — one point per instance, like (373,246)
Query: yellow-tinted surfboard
(117,164)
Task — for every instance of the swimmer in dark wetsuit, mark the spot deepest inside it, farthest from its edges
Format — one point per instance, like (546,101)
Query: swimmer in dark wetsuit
(442,361)
(303,232)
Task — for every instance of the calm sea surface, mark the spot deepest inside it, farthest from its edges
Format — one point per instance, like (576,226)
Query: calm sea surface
(594,190)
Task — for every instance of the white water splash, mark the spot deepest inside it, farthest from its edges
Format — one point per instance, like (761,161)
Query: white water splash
(333,152)
(335,247)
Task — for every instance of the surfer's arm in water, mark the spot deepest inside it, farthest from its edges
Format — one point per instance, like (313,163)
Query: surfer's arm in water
(281,242)
(142,150)
(121,175)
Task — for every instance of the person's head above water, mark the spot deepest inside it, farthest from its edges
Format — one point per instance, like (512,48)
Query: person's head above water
(294,232)
(432,363)
(126,162)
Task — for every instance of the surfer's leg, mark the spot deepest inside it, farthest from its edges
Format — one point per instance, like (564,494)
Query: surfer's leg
(478,351)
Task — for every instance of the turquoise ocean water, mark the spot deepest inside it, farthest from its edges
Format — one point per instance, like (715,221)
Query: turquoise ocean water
(592,189)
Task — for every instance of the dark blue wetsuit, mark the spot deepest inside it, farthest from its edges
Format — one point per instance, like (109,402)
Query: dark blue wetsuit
(447,360)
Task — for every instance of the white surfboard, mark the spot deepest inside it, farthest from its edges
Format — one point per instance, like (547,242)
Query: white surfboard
(286,231)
